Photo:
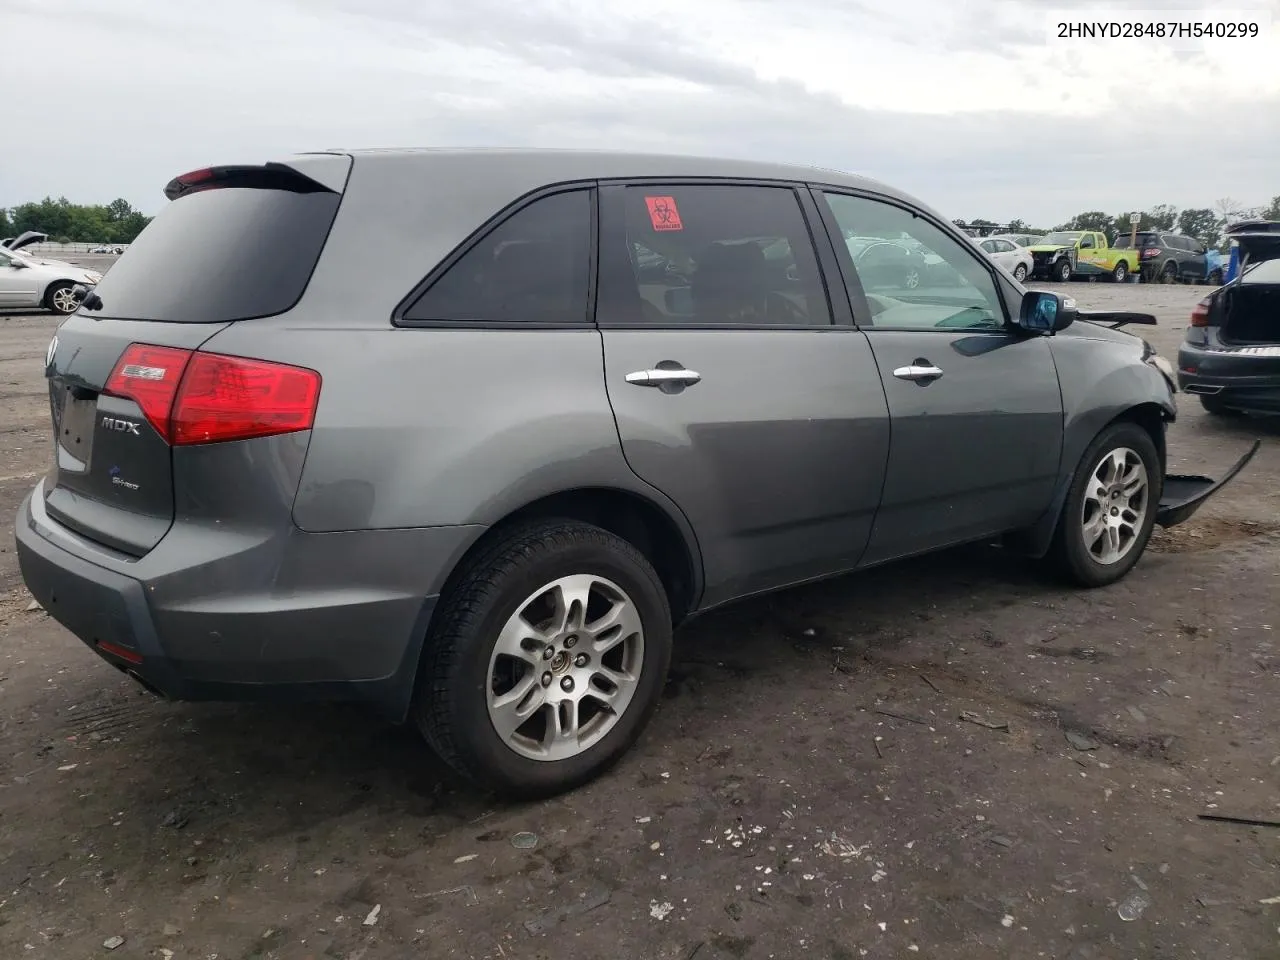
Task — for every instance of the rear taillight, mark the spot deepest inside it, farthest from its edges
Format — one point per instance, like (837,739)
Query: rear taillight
(1200,313)
(231,398)
(149,376)
(1151,252)
(191,397)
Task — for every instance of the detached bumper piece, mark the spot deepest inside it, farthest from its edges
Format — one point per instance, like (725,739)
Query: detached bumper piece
(1184,494)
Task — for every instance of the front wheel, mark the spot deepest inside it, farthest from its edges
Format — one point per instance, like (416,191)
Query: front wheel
(62,298)
(546,659)
(1020,272)
(1110,508)
(1121,273)
(1063,270)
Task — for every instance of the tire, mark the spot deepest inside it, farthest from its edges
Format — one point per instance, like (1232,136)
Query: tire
(1020,273)
(1062,270)
(1216,407)
(1074,553)
(1121,273)
(1169,274)
(463,676)
(60,299)
(1215,278)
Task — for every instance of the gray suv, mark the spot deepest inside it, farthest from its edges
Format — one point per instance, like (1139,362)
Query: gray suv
(466,435)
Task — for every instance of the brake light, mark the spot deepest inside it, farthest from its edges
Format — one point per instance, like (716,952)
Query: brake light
(233,398)
(1151,252)
(149,376)
(1200,313)
(190,397)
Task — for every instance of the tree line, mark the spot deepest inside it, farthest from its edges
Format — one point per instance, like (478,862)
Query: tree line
(67,222)
(1206,224)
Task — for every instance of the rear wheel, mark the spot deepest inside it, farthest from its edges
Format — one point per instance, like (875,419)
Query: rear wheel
(1169,274)
(1062,272)
(1111,507)
(1020,272)
(1121,273)
(1215,278)
(61,297)
(546,659)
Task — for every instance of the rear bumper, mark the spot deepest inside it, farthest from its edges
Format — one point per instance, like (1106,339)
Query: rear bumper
(351,632)
(1237,380)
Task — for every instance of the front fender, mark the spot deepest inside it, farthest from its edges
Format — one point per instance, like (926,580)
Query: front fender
(1103,375)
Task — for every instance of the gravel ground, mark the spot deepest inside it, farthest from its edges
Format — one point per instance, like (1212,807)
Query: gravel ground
(808,787)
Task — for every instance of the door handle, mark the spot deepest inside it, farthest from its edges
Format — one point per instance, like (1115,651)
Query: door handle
(660,377)
(918,371)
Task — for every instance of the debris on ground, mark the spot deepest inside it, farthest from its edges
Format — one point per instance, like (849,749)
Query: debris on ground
(465,858)
(372,918)
(527,841)
(1080,741)
(660,911)
(113,943)
(595,897)
(968,716)
(1245,821)
(1132,907)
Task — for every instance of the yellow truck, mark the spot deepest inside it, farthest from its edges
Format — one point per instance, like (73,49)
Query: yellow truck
(1064,254)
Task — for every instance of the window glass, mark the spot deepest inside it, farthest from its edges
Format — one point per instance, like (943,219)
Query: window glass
(1087,242)
(534,267)
(914,275)
(718,254)
(991,246)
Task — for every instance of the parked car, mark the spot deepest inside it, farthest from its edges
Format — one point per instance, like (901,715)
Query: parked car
(480,485)
(107,248)
(1017,260)
(25,239)
(28,282)
(1230,356)
(1167,257)
(1021,239)
(888,264)
(1064,254)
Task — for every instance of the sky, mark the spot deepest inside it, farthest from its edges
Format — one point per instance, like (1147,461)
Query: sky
(974,106)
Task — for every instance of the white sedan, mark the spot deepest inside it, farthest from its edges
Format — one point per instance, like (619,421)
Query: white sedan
(1017,260)
(28,282)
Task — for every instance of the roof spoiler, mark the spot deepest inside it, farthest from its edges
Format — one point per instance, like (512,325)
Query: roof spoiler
(267,176)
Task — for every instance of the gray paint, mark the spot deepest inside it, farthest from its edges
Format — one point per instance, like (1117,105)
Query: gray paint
(312,561)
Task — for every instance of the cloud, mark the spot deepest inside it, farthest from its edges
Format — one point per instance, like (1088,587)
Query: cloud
(974,107)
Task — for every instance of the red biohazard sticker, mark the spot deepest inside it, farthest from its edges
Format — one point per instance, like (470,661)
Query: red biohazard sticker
(663,213)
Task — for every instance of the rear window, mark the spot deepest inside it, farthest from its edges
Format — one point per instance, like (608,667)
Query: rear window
(223,254)
(1268,271)
(1144,240)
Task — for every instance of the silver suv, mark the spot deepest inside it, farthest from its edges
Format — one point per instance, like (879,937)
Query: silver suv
(467,434)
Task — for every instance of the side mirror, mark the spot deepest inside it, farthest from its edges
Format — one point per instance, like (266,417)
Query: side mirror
(1046,312)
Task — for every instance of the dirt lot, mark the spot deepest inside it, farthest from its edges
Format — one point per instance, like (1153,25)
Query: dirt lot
(807,788)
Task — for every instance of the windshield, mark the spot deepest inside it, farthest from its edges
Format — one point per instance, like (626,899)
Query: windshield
(1062,238)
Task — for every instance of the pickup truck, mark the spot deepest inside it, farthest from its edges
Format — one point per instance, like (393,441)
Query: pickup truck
(1064,254)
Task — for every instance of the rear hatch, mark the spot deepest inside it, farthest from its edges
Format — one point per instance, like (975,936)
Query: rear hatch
(127,380)
(1248,310)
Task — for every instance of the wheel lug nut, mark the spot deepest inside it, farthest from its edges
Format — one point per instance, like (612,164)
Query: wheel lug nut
(546,679)
(570,641)
(566,684)
(581,660)
(548,652)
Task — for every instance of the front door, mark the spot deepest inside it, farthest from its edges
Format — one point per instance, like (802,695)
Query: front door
(734,393)
(17,283)
(974,404)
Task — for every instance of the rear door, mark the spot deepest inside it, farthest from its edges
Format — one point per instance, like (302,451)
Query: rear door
(734,392)
(237,244)
(974,405)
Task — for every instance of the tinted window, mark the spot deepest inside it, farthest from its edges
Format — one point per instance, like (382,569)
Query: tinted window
(534,267)
(923,278)
(223,254)
(715,254)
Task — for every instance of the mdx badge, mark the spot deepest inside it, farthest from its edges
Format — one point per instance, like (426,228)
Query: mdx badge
(120,426)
